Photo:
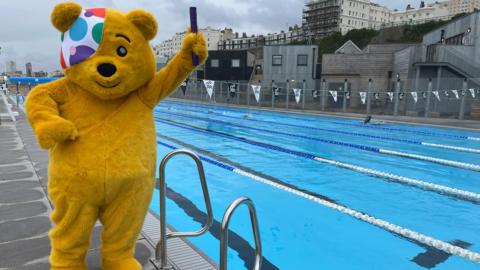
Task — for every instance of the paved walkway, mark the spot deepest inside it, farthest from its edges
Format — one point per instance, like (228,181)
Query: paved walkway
(25,208)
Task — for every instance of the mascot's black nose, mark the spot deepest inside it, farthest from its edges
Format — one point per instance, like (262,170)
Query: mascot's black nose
(106,70)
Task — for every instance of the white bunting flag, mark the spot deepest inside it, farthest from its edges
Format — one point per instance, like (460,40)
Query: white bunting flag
(437,95)
(256,91)
(298,94)
(334,95)
(455,92)
(472,92)
(363,97)
(209,85)
(390,95)
(415,96)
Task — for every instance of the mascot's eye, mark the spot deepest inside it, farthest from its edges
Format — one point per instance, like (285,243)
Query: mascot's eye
(121,51)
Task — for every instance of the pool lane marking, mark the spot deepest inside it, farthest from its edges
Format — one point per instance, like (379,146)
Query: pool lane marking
(431,256)
(452,163)
(395,229)
(433,134)
(449,147)
(444,190)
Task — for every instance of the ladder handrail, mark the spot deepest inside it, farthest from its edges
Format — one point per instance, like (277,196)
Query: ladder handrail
(161,248)
(256,232)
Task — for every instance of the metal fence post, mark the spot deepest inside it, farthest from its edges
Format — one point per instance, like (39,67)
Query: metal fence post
(324,94)
(462,102)
(238,93)
(429,95)
(397,92)
(304,94)
(288,86)
(260,94)
(221,92)
(248,95)
(369,94)
(345,90)
(273,94)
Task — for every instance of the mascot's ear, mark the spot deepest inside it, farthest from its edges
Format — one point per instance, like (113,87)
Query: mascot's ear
(144,21)
(64,15)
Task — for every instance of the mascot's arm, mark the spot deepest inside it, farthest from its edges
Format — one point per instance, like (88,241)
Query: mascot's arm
(176,71)
(42,106)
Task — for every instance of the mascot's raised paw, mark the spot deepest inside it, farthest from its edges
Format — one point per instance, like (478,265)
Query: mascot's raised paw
(54,131)
(195,43)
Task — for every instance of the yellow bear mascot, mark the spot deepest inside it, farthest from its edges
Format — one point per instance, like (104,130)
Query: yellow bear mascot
(97,123)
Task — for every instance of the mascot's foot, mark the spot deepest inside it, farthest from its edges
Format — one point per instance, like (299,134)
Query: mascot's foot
(127,264)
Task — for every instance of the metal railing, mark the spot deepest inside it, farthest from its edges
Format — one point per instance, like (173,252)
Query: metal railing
(256,232)
(161,248)
(444,98)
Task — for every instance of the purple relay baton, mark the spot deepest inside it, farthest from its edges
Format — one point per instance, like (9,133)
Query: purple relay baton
(194,28)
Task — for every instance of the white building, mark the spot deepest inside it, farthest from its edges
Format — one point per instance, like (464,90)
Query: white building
(239,43)
(354,14)
(11,67)
(462,6)
(379,16)
(436,11)
(323,17)
(170,47)
(293,34)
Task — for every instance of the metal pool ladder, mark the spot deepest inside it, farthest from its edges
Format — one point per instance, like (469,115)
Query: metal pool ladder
(256,232)
(161,248)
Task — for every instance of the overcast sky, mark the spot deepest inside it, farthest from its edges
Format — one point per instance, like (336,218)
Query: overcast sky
(26,34)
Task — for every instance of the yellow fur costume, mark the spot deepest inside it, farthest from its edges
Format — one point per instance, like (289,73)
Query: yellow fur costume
(101,136)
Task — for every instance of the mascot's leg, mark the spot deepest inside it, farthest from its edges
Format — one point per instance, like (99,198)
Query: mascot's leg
(70,237)
(122,219)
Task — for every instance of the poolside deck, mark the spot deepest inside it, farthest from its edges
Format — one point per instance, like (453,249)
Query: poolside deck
(25,209)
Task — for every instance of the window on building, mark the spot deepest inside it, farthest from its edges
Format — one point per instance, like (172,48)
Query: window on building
(214,63)
(302,60)
(235,63)
(276,60)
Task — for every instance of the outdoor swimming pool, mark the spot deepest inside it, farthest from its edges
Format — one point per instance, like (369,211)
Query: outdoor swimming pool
(330,193)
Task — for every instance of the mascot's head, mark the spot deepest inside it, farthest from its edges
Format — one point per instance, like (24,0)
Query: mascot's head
(105,51)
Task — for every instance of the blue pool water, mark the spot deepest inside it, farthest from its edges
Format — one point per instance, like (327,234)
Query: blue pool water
(298,232)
